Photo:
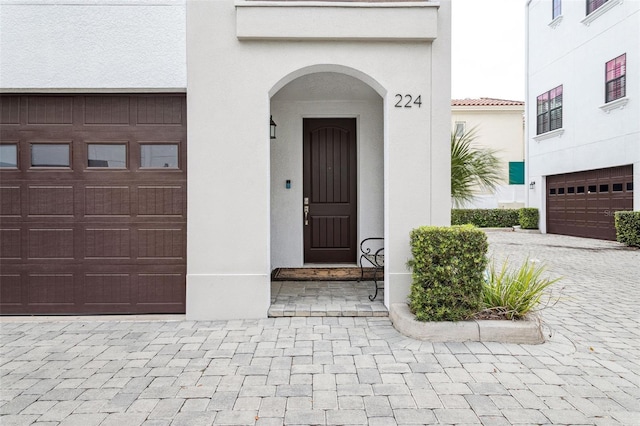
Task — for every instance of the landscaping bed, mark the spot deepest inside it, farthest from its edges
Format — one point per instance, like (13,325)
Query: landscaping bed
(528,331)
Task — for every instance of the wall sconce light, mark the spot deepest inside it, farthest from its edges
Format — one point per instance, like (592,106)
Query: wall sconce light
(532,185)
(272,128)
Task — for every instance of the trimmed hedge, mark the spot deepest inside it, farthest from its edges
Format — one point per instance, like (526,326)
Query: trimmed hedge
(529,217)
(447,268)
(485,218)
(628,228)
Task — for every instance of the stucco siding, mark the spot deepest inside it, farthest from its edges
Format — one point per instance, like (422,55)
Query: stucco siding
(95,45)
(229,139)
(573,53)
(500,128)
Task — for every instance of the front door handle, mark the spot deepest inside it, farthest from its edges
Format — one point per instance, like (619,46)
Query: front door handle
(306,215)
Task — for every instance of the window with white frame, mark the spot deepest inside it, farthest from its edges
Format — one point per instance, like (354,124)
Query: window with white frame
(461,127)
(616,78)
(556,9)
(592,5)
(549,110)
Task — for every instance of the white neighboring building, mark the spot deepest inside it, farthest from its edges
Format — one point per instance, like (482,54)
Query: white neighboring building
(583,113)
(111,203)
(500,126)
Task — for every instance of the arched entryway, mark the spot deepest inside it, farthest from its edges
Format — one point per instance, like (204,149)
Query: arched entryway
(326,169)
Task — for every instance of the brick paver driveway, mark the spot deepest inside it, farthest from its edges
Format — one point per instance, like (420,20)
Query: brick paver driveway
(342,370)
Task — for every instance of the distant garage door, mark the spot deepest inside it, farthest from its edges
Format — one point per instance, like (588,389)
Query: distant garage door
(583,204)
(92,204)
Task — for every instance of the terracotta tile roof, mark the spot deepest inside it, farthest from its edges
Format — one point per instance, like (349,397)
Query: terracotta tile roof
(485,102)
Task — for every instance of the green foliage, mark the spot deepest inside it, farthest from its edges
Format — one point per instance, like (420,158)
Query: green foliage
(472,167)
(448,265)
(628,228)
(485,218)
(512,294)
(529,217)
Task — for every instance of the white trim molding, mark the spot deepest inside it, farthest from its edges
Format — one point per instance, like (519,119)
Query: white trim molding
(600,11)
(295,20)
(549,135)
(618,103)
(556,21)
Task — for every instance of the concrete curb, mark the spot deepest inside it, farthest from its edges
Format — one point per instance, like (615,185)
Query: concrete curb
(503,229)
(523,332)
(526,231)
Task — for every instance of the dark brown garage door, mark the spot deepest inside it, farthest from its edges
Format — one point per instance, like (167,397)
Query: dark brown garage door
(583,204)
(93,204)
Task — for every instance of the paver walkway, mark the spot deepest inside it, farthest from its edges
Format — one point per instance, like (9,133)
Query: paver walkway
(340,370)
(325,299)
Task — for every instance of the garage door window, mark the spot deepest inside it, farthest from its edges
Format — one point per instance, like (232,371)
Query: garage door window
(9,156)
(50,155)
(107,155)
(159,156)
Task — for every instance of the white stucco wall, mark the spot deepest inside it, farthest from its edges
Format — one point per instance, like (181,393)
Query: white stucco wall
(323,95)
(500,128)
(230,83)
(573,53)
(97,45)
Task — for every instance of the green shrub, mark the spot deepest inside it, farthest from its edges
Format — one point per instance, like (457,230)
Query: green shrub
(628,228)
(528,217)
(512,294)
(485,218)
(448,265)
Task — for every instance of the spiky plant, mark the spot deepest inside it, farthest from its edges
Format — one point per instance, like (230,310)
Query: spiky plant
(514,293)
(472,167)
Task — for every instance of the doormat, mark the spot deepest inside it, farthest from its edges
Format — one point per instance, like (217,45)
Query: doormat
(323,274)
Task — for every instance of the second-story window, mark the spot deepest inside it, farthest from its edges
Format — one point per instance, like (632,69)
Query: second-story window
(557,8)
(594,4)
(616,78)
(550,110)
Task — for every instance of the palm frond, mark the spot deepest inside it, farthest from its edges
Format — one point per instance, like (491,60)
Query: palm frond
(472,167)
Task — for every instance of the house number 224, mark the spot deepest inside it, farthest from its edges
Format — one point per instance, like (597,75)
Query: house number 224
(407,101)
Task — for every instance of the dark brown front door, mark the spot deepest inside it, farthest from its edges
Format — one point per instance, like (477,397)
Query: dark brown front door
(330,228)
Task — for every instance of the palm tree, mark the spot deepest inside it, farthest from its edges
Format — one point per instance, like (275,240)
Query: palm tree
(472,167)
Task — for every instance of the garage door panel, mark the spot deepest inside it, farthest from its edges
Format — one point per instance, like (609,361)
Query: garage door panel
(10,110)
(107,201)
(108,289)
(10,290)
(51,200)
(10,201)
(51,289)
(82,239)
(10,244)
(51,243)
(160,111)
(107,243)
(161,244)
(103,110)
(50,110)
(162,289)
(162,200)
